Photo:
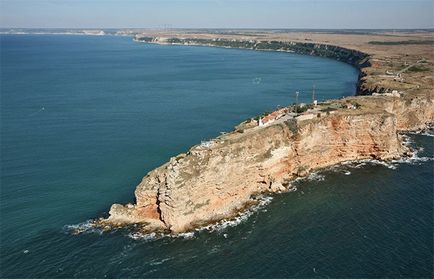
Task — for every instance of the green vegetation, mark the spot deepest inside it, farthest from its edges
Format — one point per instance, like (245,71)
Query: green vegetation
(301,109)
(261,116)
(356,105)
(328,110)
(145,39)
(352,57)
(417,68)
(292,125)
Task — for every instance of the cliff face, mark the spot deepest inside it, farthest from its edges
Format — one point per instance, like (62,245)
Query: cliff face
(350,56)
(412,112)
(353,57)
(214,181)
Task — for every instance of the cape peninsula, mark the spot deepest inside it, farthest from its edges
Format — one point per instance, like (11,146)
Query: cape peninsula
(216,180)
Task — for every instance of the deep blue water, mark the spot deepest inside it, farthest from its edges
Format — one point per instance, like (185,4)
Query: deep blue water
(84,118)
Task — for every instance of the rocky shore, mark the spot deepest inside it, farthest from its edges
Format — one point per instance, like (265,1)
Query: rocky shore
(217,179)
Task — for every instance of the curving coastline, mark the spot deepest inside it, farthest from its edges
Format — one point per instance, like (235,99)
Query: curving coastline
(216,180)
(353,57)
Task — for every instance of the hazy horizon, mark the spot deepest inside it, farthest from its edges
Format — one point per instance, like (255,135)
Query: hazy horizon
(218,14)
(216,28)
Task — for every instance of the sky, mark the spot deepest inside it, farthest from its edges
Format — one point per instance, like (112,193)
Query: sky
(319,14)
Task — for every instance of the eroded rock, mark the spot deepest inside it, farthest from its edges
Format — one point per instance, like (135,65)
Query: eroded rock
(213,182)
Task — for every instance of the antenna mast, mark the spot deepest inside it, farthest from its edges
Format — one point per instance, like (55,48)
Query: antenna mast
(313,93)
(296,101)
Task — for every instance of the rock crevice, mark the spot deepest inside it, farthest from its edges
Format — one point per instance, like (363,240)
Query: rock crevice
(215,180)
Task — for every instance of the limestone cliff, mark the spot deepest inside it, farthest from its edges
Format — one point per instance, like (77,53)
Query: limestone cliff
(217,179)
(353,57)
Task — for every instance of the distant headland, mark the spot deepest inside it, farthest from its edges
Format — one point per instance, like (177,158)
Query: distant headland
(218,179)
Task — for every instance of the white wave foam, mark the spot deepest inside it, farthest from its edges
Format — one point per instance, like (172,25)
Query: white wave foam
(226,223)
(222,225)
(316,176)
(217,227)
(84,227)
(360,165)
(187,235)
(158,262)
(388,165)
(364,162)
(429,132)
(155,236)
(143,236)
(414,157)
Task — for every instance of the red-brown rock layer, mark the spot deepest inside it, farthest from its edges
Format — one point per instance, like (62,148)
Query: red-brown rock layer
(214,181)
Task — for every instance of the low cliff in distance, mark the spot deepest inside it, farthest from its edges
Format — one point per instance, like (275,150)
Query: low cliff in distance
(218,179)
(355,58)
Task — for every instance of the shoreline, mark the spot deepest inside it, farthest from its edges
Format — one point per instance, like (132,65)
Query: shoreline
(257,203)
(187,193)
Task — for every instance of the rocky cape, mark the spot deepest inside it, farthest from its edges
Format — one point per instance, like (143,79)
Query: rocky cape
(218,179)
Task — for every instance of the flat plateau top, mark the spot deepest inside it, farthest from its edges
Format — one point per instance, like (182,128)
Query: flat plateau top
(391,53)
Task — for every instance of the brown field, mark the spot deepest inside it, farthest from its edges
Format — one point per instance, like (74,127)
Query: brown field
(390,52)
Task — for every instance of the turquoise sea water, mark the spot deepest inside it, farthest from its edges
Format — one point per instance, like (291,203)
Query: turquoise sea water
(84,118)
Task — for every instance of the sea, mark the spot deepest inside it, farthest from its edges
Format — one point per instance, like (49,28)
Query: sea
(84,118)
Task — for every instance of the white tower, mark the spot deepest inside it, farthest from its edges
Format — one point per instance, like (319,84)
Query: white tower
(314,101)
